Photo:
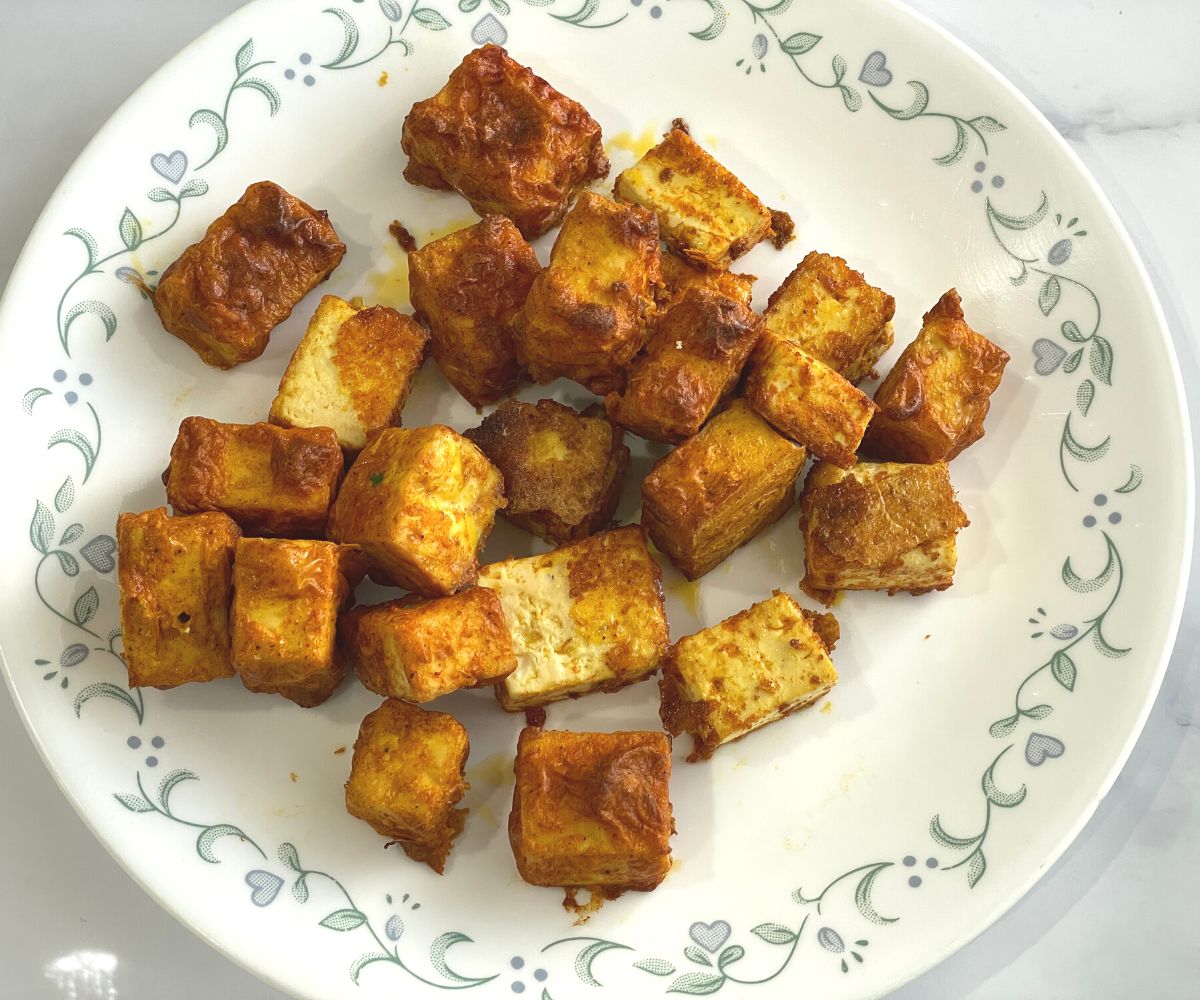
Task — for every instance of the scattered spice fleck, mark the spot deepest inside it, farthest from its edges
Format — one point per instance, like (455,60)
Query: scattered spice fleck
(339,750)
(402,236)
(926,637)
(294,775)
(376,478)
(383,79)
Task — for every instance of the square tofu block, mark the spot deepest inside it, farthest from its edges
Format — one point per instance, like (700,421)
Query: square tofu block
(879,526)
(720,489)
(407,777)
(271,480)
(704,212)
(419,649)
(467,288)
(692,362)
(588,312)
(351,371)
(807,400)
(745,672)
(505,140)
(679,275)
(586,617)
(174,574)
(934,400)
(420,502)
(562,469)
(829,311)
(225,294)
(592,810)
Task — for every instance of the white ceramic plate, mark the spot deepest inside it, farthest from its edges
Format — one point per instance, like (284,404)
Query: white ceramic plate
(839,852)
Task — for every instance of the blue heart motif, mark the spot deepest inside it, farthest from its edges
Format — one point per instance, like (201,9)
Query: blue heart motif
(1040,746)
(172,166)
(875,72)
(99,553)
(710,937)
(1049,356)
(266,886)
(489,30)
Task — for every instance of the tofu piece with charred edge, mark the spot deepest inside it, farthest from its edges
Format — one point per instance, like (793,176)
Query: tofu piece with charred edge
(175,574)
(468,288)
(934,400)
(226,293)
(715,492)
(420,504)
(679,275)
(407,777)
(420,649)
(562,469)
(879,526)
(588,312)
(588,616)
(592,810)
(505,140)
(271,480)
(752,669)
(351,371)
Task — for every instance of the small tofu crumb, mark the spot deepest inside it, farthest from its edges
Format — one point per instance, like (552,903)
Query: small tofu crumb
(293,776)
(783,229)
(679,123)
(402,236)
(383,79)
(339,750)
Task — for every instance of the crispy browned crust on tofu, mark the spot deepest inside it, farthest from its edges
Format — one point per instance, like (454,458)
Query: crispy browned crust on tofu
(562,469)
(505,140)
(592,810)
(174,574)
(934,400)
(679,275)
(225,294)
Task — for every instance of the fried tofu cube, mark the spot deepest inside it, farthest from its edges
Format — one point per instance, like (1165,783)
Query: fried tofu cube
(420,649)
(679,275)
(588,616)
(351,371)
(934,400)
(174,574)
(588,312)
(831,313)
(225,294)
(562,469)
(807,400)
(505,140)
(407,777)
(715,492)
(592,810)
(468,287)
(745,672)
(879,526)
(271,480)
(420,503)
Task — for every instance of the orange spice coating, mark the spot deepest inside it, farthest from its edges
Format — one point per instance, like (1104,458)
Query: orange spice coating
(679,275)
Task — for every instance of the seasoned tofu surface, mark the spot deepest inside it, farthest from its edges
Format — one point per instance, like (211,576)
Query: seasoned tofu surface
(679,275)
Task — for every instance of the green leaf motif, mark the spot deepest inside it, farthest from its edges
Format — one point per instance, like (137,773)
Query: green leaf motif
(1073,361)
(210,835)
(959,149)
(997,796)
(976,867)
(1049,295)
(67,562)
(31,397)
(391,10)
(938,833)
(1101,359)
(839,68)
(852,99)
(134,803)
(919,104)
(697,984)
(93,308)
(41,528)
(779,8)
(244,57)
(774,933)
(349,37)
(437,958)
(1070,330)
(1039,711)
(363,961)
(344,920)
(696,955)
(194,188)
(1063,669)
(1084,396)
(986,123)
(65,496)
(655,966)
(167,786)
(734,953)
(89,244)
(104,689)
(1088,585)
(289,856)
(1003,727)
(715,26)
(160,194)
(86,606)
(1017,223)
(1082,452)
(264,88)
(131,230)
(429,18)
(300,889)
(799,43)
(588,955)
(1134,480)
(206,116)
(467,6)
(862,896)
(1102,646)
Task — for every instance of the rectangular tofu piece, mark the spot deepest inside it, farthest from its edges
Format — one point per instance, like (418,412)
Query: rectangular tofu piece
(592,810)
(174,574)
(679,275)
(225,294)
(934,400)
(831,313)
(420,649)
(351,371)
(562,469)
(407,777)
(745,672)
(505,140)
(420,503)
(588,616)
(271,480)
(715,492)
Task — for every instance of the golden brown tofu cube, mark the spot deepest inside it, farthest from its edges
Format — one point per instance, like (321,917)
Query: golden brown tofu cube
(174,574)
(407,777)
(225,294)
(420,649)
(588,312)
(420,502)
(679,275)
(592,810)
(271,480)
(588,616)
(879,526)
(351,371)
(831,312)
(934,400)
(505,140)
(467,288)
(807,400)
(692,362)
(745,672)
(720,489)
(562,469)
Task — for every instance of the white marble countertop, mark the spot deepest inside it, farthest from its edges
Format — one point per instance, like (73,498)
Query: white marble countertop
(1115,918)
